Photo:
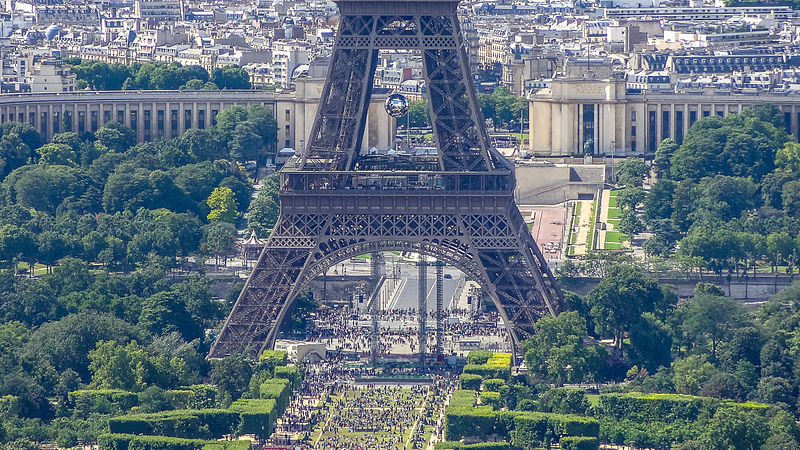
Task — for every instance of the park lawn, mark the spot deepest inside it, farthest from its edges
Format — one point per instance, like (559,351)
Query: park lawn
(612,200)
(576,211)
(614,213)
(38,269)
(615,237)
(530,226)
(594,399)
(614,222)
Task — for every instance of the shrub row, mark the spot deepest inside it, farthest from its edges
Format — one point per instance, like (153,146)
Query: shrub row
(133,442)
(526,428)
(493,384)
(470,381)
(532,429)
(455,445)
(666,408)
(197,396)
(277,389)
(257,416)
(478,356)
(486,371)
(196,423)
(579,443)
(291,373)
(462,399)
(103,401)
(491,399)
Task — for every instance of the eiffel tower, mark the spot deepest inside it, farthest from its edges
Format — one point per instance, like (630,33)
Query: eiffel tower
(338,203)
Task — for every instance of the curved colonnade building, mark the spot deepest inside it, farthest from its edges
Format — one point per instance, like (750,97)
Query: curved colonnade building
(168,114)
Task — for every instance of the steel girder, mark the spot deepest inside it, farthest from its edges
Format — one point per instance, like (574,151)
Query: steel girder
(485,238)
(458,124)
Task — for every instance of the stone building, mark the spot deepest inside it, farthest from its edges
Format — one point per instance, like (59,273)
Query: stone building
(573,116)
(168,114)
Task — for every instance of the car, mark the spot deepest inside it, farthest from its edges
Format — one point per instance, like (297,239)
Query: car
(448,276)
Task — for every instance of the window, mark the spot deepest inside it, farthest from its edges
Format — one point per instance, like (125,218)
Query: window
(633,146)
(633,116)
(651,131)
(706,113)
(633,131)
(587,143)
(665,124)
(692,117)
(288,143)
(679,127)
(121,117)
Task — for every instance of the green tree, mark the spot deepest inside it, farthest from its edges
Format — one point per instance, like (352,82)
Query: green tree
(713,318)
(232,375)
(165,312)
(651,343)
(658,201)
(557,352)
(231,77)
(787,158)
(691,373)
(264,124)
(619,300)
(632,172)
(59,154)
(199,85)
(65,343)
(417,116)
(790,198)
(245,143)
(116,136)
(735,429)
(664,153)
(263,213)
(630,224)
(223,205)
(219,239)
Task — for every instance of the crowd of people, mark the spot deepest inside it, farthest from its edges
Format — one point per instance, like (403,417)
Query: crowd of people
(343,330)
(340,407)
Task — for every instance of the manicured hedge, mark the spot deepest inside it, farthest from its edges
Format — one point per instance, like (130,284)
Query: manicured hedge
(476,422)
(194,423)
(455,445)
(102,401)
(134,442)
(531,429)
(257,416)
(479,356)
(663,407)
(291,373)
(491,399)
(278,390)
(470,381)
(493,384)
(462,399)
(579,443)
(487,371)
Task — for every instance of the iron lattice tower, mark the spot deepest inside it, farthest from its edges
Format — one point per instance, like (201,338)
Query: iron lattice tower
(337,203)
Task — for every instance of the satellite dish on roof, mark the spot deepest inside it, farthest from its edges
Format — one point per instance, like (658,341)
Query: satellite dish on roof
(52,32)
